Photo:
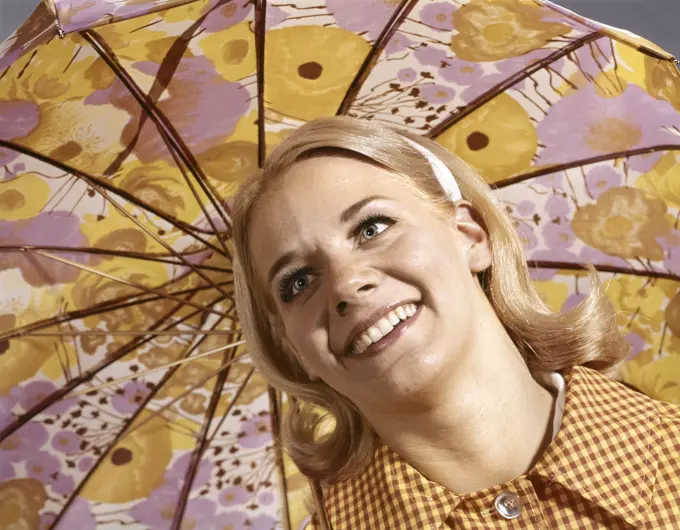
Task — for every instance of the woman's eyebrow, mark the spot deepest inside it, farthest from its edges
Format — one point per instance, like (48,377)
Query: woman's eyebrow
(352,210)
(283,260)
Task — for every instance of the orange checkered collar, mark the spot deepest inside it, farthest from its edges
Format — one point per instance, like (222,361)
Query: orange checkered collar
(603,452)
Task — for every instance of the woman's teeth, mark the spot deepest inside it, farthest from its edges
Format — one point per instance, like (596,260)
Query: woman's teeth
(383,327)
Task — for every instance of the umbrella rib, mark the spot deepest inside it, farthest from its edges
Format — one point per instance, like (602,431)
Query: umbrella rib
(202,443)
(487,96)
(275,407)
(583,162)
(371,59)
(163,243)
(86,376)
(185,360)
(123,432)
(546,264)
(260,30)
(95,181)
(99,309)
(167,131)
(159,258)
(122,281)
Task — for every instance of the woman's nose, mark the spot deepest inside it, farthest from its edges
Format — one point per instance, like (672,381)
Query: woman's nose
(352,283)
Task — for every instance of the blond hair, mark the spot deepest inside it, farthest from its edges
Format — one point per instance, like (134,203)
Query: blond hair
(585,335)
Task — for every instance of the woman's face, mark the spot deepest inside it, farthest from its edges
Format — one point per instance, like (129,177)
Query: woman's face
(375,291)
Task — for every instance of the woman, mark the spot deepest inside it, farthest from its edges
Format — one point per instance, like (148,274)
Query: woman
(378,280)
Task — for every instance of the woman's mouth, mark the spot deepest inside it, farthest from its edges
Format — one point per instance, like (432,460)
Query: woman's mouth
(390,326)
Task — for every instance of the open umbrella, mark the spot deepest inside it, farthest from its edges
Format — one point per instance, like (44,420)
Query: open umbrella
(127,398)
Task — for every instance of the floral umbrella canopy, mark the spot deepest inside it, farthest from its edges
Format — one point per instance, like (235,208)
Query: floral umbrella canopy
(127,398)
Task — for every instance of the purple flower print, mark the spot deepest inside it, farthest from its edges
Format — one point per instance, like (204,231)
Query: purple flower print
(85,464)
(229,14)
(132,397)
(526,234)
(552,181)
(233,495)
(433,93)
(558,235)
(255,432)
(275,16)
(637,344)
(24,442)
(266,498)
(48,228)
(262,522)
(66,442)
(461,72)
(42,466)
(597,125)
(597,257)
(180,467)
(407,75)
(200,513)
(6,469)
(430,55)
(64,485)
(557,206)
(525,208)
(572,301)
(17,119)
(7,403)
(157,510)
(79,515)
(601,178)
(47,520)
(233,520)
(438,15)
(362,16)
(190,107)
(397,44)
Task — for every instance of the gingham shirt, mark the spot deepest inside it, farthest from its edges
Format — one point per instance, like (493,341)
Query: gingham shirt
(613,464)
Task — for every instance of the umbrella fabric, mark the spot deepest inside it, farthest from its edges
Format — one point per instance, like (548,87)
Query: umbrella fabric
(122,143)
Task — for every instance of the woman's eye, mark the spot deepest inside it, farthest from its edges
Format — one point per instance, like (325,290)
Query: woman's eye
(371,230)
(294,283)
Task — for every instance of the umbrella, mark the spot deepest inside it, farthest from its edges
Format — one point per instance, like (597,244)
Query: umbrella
(127,397)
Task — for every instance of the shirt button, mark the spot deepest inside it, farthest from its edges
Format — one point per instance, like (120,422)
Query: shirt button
(508,505)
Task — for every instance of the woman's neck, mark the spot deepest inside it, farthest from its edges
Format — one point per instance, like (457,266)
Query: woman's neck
(486,425)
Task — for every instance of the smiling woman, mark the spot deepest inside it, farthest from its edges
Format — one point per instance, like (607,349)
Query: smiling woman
(411,320)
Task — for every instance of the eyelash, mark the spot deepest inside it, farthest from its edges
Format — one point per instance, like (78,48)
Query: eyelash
(287,281)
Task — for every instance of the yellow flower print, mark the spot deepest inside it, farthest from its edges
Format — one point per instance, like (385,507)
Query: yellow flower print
(23,197)
(22,357)
(135,465)
(491,30)
(673,315)
(78,134)
(659,379)
(635,294)
(310,68)
(498,139)
(165,188)
(21,501)
(232,50)
(663,81)
(624,222)
(229,163)
(553,294)
(91,289)
(63,359)
(663,180)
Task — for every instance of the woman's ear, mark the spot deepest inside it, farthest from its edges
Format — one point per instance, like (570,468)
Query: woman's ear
(289,350)
(475,238)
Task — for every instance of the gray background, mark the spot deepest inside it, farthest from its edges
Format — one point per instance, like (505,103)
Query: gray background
(658,20)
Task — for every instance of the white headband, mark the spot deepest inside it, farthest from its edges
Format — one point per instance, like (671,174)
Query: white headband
(443,174)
